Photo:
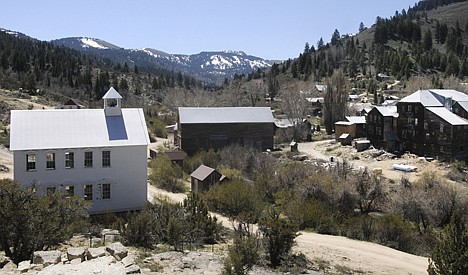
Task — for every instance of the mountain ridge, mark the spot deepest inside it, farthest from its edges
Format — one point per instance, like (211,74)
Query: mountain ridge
(208,66)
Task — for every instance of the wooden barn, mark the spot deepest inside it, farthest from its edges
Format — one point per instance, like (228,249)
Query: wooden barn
(205,128)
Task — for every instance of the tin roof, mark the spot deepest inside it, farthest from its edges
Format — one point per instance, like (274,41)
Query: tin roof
(202,172)
(425,97)
(448,116)
(356,119)
(76,128)
(189,115)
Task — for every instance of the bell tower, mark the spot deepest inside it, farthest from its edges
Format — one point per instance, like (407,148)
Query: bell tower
(112,103)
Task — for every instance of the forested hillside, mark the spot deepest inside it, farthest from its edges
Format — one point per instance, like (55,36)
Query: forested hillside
(40,67)
(428,39)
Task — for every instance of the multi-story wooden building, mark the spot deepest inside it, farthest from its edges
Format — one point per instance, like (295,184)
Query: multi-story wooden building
(381,127)
(205,128)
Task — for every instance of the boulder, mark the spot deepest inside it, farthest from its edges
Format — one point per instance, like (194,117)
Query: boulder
(47,257)
(8,267)
(75,261)
(117,250)
(133,269)
(128,261)
(3,259)
(75,253)
(94,253)
(24,266)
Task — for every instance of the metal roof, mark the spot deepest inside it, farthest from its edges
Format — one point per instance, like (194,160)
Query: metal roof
(189,115)
(356,119)
(464,105)
(455,95)
(76,128)
(425,97)
(448,116)
(202,172)
(387,110)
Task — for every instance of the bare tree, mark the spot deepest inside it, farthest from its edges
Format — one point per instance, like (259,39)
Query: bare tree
(336,100)
(294,106)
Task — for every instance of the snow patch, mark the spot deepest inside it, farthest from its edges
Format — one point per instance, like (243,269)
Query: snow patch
(88,42)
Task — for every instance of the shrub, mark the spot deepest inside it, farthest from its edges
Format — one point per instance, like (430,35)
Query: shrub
(166,175)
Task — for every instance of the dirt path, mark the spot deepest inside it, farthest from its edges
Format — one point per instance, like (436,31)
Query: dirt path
(359,256)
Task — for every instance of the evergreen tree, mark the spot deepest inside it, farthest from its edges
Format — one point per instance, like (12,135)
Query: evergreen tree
(320,44)
(335,38)
(362,27)
(427,40)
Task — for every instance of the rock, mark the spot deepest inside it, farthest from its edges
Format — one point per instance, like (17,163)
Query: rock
(75,253)
(3,259)
(96,242)
(75,261)
(8,267)
(47,257)
(117,250)
(94,253)
(24,266)
(133,269)
(128,261)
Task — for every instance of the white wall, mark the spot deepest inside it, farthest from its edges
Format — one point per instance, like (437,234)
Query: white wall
(127,175)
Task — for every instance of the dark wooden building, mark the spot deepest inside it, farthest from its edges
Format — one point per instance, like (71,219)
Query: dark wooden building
(204,177)
(205,128)
(360,122)
(461,109)
(427,125)
(382,126)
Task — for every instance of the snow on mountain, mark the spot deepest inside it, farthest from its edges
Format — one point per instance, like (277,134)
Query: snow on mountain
(88,42)
(211,66)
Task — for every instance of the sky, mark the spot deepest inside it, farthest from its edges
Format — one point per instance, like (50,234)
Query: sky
(274,30)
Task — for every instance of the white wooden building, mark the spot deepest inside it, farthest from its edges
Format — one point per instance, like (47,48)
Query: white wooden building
(99,154)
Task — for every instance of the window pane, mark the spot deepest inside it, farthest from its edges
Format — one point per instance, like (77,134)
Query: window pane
(50,190)
(30,162)
(106,193)
(88,159)
(69,191)
(88,192)
(50,161)
(69,160)
(106,162)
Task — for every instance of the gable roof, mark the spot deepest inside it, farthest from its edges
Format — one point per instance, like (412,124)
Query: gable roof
(387,110)
(356,119)
(425,97)
(76,128)
(202,172)
(176,155)
(455,95)
(448,116)
(189,115)
(464,105)
(112,94)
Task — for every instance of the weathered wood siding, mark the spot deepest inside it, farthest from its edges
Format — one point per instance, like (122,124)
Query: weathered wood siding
(410,128)
(194,137)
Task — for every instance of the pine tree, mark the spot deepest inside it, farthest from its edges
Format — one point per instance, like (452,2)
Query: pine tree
(362,27)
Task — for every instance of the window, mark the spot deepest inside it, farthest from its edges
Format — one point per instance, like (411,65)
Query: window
(106,191)
(30,162)
(69,160)
(88,192)
(409,108)
(50,190)
(69,191)
(415,122)
(441,128)
(106,160)
(50,161)
(88,159)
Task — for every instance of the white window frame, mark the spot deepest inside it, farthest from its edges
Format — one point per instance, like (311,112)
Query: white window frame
(69,191)
(106,194)
(69,163)
(33,155)
(85,194)
(105,162)
(50,162)
(88,163)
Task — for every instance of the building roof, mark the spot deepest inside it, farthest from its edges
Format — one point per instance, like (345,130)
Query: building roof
(202,172)
(345,123)
(189,115)
(176,155)
(76,128)
(320,87)
(448,116)
(356,119)
(387,110)
(425,97)
(464,105)
(112,94)
(455,95)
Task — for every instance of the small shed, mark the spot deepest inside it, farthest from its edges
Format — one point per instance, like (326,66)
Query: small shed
(203,177)
(362,145)
(176,157)
(345,139)
(344,127)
